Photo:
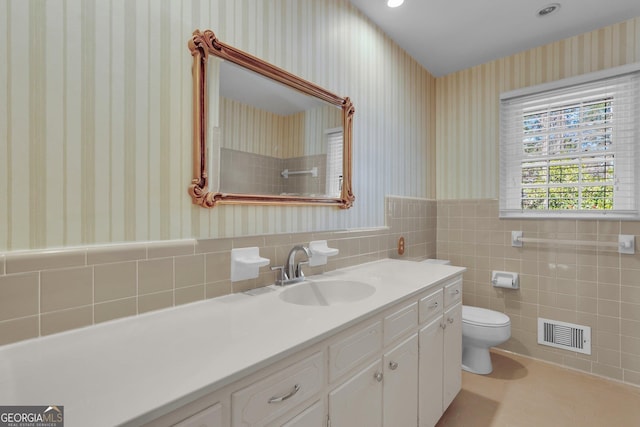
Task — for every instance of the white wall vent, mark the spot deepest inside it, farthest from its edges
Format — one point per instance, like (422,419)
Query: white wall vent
(567,336)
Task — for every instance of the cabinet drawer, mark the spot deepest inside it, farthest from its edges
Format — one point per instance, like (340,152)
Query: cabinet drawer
(276,394)
(400,323)
(350,351)
(210,417)
(431,306)
(453,292)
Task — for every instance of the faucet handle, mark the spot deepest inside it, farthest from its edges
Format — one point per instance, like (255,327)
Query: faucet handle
(283,275)
(299,272)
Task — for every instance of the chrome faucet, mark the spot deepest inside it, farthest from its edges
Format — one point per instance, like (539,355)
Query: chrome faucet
(292,269)
(291,272)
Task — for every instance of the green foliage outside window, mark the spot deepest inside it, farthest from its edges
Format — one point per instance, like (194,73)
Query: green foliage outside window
(568,163)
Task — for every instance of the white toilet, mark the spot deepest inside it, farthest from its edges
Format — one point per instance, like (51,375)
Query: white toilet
(482,329)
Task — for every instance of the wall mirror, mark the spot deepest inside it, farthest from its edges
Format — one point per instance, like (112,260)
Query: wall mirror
(262,135)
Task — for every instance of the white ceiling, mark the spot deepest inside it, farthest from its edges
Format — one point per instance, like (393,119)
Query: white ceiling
(451,35)
(254,89)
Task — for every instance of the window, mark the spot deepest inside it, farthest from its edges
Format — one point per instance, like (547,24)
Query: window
(570,148)
(334,162)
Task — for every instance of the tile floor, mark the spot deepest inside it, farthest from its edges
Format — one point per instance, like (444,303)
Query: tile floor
(521,392)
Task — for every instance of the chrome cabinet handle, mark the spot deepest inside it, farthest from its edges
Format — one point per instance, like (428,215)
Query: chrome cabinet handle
(434,305)
(393,365)
(455,292)
(378,376)
(450,320)
(295,389)
(443,325)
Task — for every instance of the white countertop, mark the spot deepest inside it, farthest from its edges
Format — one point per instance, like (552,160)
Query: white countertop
(137,368)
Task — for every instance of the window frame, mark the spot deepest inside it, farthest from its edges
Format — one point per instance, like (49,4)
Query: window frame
(512,112)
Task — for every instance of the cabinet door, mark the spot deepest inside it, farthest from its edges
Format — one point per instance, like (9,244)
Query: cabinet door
(400,385)
(358,401)
(430,373)
(452,353)
(313,416)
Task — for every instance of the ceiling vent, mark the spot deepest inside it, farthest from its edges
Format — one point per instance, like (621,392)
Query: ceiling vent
(548,9)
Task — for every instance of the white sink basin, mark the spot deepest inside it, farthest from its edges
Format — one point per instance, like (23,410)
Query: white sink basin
(327,292)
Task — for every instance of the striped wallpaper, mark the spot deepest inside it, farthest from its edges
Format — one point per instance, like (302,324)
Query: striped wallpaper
(316,123)
(95,116)
(252,130)
(467,115)
(256,131)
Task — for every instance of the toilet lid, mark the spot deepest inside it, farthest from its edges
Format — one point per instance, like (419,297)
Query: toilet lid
(483,317)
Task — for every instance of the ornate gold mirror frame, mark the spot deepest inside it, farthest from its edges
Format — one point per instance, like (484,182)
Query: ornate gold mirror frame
(203,44)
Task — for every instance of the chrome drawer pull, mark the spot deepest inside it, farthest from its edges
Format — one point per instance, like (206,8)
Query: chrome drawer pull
(393,365)
(455,292)
(450,320)
(286,396)
(378,376)
(434,305)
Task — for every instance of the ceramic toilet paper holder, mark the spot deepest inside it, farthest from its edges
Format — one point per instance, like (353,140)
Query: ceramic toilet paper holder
(505,279)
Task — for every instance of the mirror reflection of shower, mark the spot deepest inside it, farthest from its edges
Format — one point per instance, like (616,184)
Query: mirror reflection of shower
(274,140)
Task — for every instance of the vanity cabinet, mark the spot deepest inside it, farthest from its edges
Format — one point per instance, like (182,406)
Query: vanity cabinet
(430,382)
(358,401)
(354,347)
(440,357)
(210,417)
(209,411)
(383,394)
(400,384)
(452,371)
(313,416)
(277,394)
(399,367)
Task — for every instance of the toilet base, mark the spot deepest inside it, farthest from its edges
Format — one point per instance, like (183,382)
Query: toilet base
(476,360)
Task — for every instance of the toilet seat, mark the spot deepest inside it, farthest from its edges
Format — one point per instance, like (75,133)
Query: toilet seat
(482,317)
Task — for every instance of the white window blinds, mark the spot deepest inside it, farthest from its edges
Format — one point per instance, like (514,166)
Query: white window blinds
(334,162)
(571,148)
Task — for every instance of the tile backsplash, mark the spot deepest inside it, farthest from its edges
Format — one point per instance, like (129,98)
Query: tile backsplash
(250,173)
(44,292)
(587,285)
(258,174)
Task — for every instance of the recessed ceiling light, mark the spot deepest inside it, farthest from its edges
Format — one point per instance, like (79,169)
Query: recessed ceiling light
(548,9)
(394,3)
